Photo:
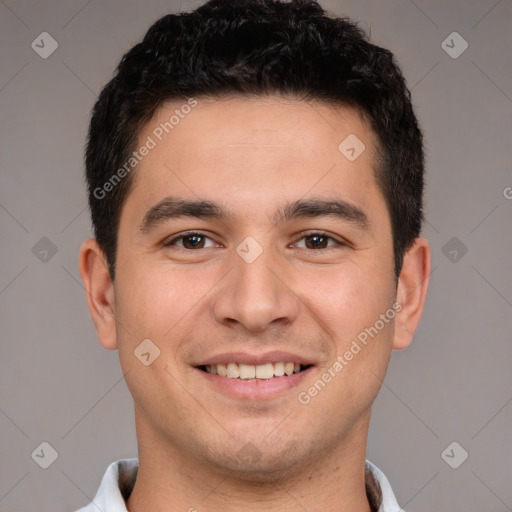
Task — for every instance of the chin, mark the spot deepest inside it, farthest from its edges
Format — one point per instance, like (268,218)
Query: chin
(251,464)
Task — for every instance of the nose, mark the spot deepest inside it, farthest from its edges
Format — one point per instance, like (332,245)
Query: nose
(255,296)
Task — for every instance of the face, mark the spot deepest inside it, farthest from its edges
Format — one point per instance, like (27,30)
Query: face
(254,253)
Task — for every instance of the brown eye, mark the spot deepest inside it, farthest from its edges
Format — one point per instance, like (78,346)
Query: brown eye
(317,241)
(191,241)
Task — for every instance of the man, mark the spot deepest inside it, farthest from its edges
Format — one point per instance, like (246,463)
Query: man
(255,174)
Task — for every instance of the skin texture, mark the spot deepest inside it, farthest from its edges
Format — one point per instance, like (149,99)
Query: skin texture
(251,156)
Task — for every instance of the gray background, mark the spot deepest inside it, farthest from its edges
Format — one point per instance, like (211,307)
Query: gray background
(453,384)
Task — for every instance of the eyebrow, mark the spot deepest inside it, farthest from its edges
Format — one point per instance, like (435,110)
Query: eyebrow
(175,207)
(320,208)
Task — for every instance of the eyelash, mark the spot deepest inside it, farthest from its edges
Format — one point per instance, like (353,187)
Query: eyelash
(338,243)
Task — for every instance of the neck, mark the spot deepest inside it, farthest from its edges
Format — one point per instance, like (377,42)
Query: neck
(170,479)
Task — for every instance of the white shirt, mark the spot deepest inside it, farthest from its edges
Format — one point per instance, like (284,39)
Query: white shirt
(119,479)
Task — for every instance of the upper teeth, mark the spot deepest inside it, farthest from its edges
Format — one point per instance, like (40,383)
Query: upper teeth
(250,371)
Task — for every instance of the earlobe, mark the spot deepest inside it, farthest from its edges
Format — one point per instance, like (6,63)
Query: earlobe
(412,290)
(99,291)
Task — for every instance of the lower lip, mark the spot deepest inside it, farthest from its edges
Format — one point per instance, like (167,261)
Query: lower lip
(255,389)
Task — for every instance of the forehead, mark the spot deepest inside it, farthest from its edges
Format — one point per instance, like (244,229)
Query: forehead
(258,121)
(248,150)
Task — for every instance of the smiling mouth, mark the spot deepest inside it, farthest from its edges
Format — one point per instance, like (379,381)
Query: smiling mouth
(242,371)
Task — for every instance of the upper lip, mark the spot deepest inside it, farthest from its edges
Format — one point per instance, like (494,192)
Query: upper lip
(255,359)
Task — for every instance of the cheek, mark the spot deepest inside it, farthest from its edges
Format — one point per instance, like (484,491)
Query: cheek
(348,306)
(158,302)
(348,300)
(355,309)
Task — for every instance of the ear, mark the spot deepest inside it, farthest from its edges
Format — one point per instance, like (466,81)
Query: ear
(99,291)
(411,292)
